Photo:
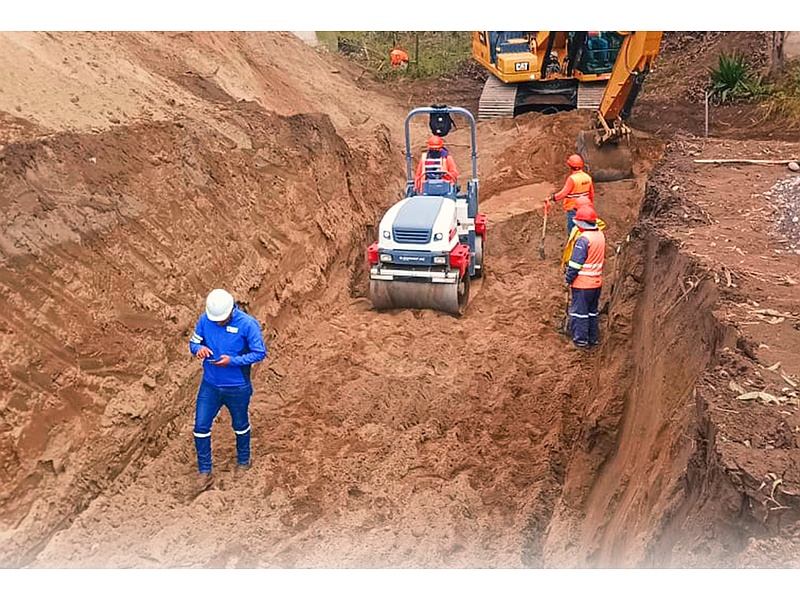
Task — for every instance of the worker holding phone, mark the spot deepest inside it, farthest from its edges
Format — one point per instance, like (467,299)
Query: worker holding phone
(229,342)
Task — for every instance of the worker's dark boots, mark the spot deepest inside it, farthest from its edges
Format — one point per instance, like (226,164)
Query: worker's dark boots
(242,468)
(205,481)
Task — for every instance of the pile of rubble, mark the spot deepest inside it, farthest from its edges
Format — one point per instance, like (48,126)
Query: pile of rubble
(785,199)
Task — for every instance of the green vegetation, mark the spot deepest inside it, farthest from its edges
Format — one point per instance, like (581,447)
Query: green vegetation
(784,98)
(733,80)
(431,53)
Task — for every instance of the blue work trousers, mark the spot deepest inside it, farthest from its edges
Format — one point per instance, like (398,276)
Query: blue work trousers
(210,399)
(570,223)
(583,316)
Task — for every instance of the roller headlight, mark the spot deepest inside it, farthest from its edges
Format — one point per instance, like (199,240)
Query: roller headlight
(386,258)
(387,235)
(437,237)
(439,260)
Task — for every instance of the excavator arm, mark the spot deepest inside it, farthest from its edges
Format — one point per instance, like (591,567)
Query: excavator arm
(634,61)
(605,148)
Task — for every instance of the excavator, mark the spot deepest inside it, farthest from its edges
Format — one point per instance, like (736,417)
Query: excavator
(562,70)
(543,71)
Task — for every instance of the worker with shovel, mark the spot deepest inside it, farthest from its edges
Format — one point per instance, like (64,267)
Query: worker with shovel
(578,190)
(584,275)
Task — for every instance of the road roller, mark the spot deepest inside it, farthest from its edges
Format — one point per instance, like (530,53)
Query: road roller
(431,243)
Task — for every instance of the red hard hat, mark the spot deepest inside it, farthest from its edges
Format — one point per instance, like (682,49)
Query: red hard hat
(586,214)
(435,143)
(575,161)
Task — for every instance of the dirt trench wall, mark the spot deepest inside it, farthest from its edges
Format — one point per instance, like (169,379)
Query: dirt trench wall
(639,425)
(104,271)
(647,483)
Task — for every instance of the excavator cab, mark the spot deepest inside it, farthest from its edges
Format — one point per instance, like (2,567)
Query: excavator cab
(596,51)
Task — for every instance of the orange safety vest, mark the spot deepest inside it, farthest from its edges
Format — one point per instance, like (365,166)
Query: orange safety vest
(590,274)
(434,167)
(579,196)
(440,168)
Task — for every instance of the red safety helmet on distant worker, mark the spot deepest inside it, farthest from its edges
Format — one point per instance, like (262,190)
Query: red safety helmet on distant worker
(575,161)
(435,143)
(398,57)
(585,217)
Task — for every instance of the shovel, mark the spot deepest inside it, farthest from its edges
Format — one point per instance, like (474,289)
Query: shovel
(563,326)
(544,228)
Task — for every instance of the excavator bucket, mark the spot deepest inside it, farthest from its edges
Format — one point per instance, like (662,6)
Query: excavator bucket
(610,161)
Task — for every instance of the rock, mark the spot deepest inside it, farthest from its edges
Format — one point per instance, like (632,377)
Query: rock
(793,166)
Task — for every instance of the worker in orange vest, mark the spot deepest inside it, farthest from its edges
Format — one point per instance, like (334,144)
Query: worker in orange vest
(578,190)
(436,163)
(584,275)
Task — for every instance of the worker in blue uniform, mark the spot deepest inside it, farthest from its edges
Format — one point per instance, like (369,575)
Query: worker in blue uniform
(229,342)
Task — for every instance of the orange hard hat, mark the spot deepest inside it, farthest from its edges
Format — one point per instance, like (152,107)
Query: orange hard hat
(435,143)
(587,216)
(575,161)
(398,56)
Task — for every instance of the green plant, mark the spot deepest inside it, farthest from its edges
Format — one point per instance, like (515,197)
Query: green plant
(784,98)
(733,79)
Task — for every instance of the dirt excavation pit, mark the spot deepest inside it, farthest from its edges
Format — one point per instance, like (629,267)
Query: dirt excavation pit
(390,439)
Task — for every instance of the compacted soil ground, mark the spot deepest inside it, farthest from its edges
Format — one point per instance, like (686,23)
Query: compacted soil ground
(140,170)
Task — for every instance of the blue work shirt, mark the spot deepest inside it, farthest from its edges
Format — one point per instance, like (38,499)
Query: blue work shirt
(579,253)
(240,339)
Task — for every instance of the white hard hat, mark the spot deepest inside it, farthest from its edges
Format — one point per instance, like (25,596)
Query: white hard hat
(219,305)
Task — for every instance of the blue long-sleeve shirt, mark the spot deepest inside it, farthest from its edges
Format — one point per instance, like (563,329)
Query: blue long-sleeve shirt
(579,253)
(240,339)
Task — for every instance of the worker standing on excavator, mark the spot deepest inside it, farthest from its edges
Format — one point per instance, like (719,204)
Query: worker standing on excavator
(578,190)
(584,275)
(436,163)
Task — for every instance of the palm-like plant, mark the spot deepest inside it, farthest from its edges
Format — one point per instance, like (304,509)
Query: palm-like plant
(733,79)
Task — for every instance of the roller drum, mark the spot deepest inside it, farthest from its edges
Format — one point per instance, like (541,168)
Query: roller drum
(450,298)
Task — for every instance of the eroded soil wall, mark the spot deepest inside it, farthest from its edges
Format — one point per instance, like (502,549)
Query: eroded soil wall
(110,243)
(638,424)
(647,484)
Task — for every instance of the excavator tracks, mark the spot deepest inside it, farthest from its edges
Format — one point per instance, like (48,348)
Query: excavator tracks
(590,95)
(497,100)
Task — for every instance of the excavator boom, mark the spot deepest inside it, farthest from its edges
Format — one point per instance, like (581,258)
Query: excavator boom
(634,61)
(605,148)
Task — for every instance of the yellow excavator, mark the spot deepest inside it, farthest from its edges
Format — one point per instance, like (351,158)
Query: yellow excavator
(550,71)
(543,71)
